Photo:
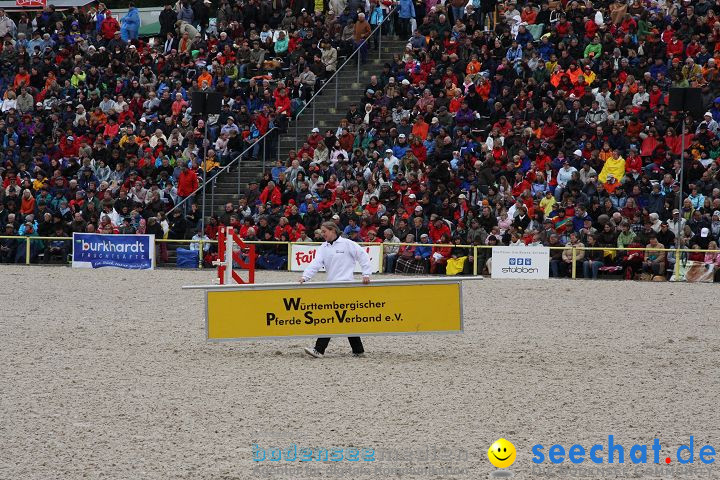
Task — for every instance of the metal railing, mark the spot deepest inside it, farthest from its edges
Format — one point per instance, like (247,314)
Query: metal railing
(679,252)
(334,76)
(212,179)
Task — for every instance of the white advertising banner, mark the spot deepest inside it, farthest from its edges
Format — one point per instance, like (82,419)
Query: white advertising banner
(302,255)
(521,262)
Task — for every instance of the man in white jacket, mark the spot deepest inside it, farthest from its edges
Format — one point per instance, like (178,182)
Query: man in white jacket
(338,255)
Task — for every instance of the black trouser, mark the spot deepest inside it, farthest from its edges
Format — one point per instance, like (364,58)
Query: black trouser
(355,343)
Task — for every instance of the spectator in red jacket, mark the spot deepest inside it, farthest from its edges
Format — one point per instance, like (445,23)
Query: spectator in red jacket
(187,184)
(520,185)
(437,229)
(675,47)
(271,194)
(69,147)
(109,26)
(282,102)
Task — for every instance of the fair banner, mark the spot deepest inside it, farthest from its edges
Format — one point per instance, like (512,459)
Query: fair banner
(30,3)
(333,309)
(302,255)
(93,250)
(521,262)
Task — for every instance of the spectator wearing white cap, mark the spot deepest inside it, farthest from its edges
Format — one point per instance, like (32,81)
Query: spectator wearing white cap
(702,239)
(390,160)
(677,223)
(564,175)
(709,123)
(230,126)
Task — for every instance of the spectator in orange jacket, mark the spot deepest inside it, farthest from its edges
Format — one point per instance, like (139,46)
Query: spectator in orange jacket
(420,128)
(111,129)
(22,78)
(474,66)
(205,78)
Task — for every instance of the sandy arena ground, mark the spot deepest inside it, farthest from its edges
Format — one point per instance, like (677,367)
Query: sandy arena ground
(106,374)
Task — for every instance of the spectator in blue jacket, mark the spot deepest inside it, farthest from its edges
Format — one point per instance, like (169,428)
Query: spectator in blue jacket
(401,147)
(422,251)
(658,67)
(524,37)
(515,55)
(546,49)
(99,16)
(418,40)
(130,24)
(406,11)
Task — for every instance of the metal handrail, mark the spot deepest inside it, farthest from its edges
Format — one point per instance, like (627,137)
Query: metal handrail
(226,167)
(296,117)
(339,69)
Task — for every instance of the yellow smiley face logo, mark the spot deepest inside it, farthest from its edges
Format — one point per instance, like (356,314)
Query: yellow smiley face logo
(502,453)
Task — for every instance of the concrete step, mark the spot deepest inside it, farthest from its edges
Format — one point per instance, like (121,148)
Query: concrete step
(349,88)
(231,181)
(320,116)
(343,91)
(348,95)
(243,168)
(220,200)
(321,107)
(229,190)
(342,86)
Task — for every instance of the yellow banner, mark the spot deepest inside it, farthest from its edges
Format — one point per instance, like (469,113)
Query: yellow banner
(331,311)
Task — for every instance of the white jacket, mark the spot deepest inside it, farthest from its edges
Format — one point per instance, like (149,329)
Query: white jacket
(339,259)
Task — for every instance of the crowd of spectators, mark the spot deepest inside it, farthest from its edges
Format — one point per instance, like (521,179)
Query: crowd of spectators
(549,127)
(541,124)
(96,124)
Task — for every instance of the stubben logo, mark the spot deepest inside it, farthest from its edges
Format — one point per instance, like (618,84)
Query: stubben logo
(520,261)
(520,265)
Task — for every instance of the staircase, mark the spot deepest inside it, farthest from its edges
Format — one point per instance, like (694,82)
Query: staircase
(326,116)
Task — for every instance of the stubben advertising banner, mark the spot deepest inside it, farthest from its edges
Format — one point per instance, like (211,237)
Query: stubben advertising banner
(302,255)
(134,252)
(259,312)
(521,262)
